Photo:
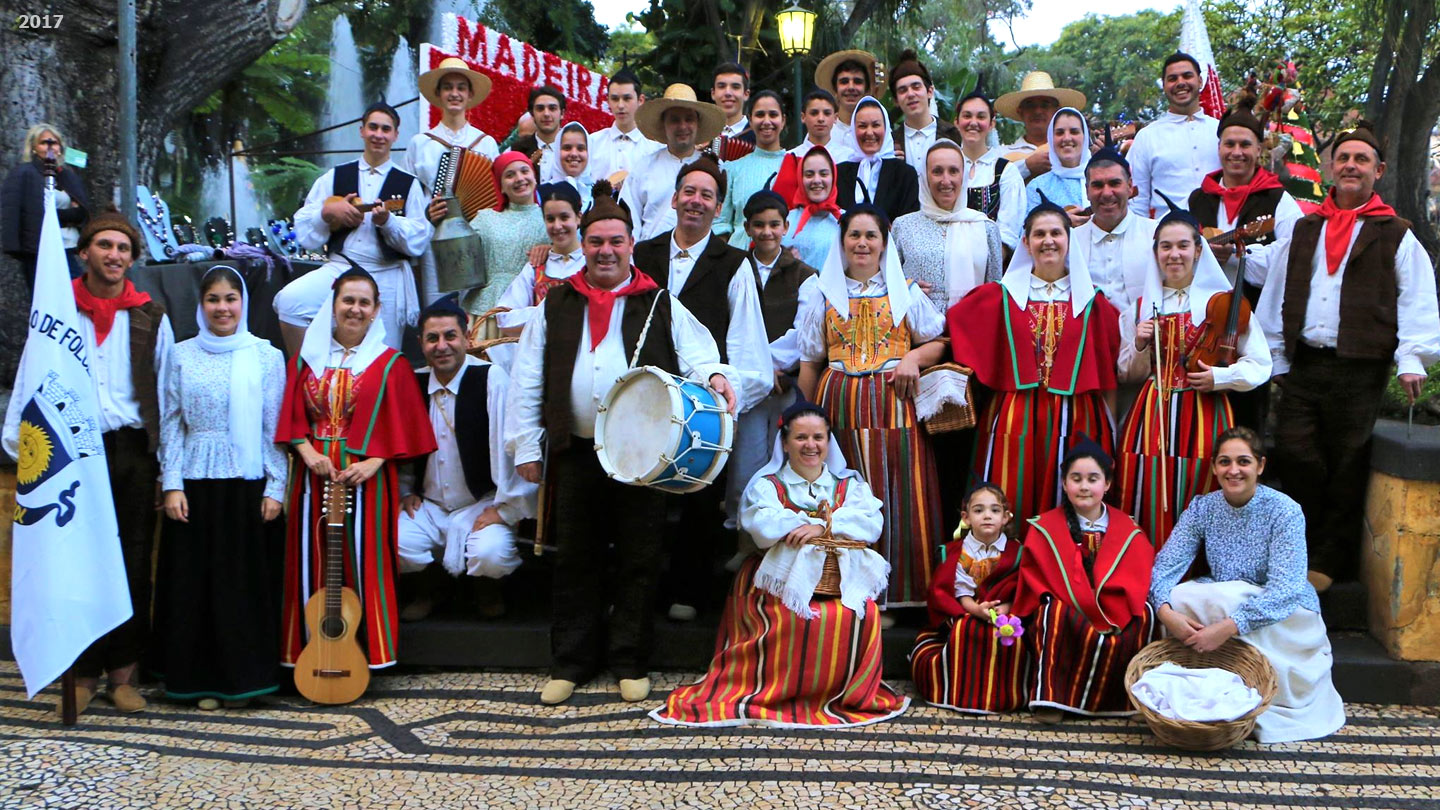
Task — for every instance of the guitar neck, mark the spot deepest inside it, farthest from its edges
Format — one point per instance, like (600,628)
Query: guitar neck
(334,566)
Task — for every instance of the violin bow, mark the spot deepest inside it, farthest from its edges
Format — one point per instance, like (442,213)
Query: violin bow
(1162,407)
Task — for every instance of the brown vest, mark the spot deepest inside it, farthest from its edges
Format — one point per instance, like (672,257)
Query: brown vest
(564,323)
(145,323)
(1206,209)
(707,290)
(780,296)
(1369,317)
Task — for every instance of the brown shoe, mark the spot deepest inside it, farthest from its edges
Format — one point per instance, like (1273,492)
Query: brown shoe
(127,698)
(83,696)
(489,598)
(418,610)
(1049,715)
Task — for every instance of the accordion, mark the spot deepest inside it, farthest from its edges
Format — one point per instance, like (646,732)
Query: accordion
(728,147)
(467,177)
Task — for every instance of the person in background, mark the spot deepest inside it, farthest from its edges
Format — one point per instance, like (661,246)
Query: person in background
(546,107)
(683,124)
(753,172)
(572,166)
(818,114)
(815,216)
(729,90)
(993,185)
(560,205)
(872,175)
(1069,150)
(911,86)
(1033,105)
(616,148)
(1173,153)
(22,200)
(508,231)
(848,76)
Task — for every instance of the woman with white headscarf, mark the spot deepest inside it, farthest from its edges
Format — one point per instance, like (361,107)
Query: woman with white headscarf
(352,406)
(775,625)
(1045,343)
(224,479)
(572,163)
(1064,184)
(1169,436)
(871,174)
(861,355)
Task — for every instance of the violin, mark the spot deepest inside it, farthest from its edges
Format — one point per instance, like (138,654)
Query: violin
(1218,346)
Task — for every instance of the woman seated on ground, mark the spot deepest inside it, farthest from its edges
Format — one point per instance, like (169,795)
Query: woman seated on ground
(1254,541)
(1079,584)
(786,656)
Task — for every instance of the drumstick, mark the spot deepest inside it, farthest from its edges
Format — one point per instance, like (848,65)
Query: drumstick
(1162,403)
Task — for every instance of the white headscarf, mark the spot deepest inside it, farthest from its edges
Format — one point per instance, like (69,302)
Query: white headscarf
(320,334)
(555,172)
(1209,279)
(246,433)
(964,261)
(1016,280)
(1069,172)
(832,281)
(868,174)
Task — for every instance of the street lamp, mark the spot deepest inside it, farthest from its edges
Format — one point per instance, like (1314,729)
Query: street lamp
(797,31)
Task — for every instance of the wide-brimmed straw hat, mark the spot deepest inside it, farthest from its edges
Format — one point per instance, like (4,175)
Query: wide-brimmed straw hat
(430,81)
(1037,83)
(825,72)
(650,117)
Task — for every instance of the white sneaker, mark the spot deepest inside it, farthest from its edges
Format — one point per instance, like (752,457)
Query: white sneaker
(682,613)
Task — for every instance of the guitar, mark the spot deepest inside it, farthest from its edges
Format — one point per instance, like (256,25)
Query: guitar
(332,669)
(1245,233)
(394,205)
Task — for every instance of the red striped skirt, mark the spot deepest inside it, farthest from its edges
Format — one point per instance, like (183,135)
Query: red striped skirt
(371,528)
(1022,436)
(960,665)
(1076,667)
(1193,420)
(771,667)
(882,439)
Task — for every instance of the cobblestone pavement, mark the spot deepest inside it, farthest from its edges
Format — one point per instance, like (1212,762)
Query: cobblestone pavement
(466,739)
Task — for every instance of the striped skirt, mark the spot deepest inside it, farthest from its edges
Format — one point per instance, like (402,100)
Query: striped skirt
(1022,437)
(1193,419)
(372,528)
(960,665)
(882,439)
(773,668)
(1077,668)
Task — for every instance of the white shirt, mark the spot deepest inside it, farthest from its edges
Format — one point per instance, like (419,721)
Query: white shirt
(110,373)
(1172,154)
(1023,146)
(965,584)
(614,151)
(519,297)
(422,156)
(736,128)
(408,235)
(981,172)
(925,321)
(839,152)
(650,188)
(839,131)
(595,373)
(1252,364)
(1415,305)
(548,154)
(1048,292)
(1258,258)
(1118,259)
(785,350)
(747,346)
(917,145)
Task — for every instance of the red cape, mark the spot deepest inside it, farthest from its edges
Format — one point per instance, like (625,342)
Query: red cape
(390,419)
(1051,564)
(989,333)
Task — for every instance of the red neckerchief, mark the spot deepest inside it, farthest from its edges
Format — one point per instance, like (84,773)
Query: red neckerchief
(1340,222)
(102,310)
(810,209)
(602,302)
(1234,198)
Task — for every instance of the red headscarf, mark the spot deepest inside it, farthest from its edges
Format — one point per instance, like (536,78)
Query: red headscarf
(498,169)
(1340,223)
(102,310)
(602,302)
(800,200)
(1234,198)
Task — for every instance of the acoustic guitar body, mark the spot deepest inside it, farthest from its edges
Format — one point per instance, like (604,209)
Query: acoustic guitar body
(332,669)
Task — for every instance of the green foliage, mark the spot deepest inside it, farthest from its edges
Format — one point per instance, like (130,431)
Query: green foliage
(286,178)
(566,28)
(1396,405)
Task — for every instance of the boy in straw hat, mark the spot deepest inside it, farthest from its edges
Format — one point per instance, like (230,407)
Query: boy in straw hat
(1033,105)
(849,76)
(681,122)
(455,89)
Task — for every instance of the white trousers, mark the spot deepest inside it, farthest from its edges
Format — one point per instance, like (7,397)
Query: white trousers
(297,303)
(489,552)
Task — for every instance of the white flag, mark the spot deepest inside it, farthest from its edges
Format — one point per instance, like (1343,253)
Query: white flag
(68,583)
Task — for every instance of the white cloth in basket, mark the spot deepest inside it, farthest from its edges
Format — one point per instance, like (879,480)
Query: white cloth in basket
(1204,695)
(938,388)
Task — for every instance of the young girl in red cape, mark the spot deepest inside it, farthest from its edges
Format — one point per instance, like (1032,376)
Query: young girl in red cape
(362,410)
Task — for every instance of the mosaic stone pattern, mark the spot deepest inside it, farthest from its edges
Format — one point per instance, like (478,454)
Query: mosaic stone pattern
(467,739)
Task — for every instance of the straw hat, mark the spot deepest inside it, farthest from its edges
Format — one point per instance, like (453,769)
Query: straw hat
(1037,83)
(825,72)
(682,96)
(430,81)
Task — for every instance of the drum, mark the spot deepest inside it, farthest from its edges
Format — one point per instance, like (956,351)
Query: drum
(658,430)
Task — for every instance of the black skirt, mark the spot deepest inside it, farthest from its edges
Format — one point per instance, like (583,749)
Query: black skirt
(217,595)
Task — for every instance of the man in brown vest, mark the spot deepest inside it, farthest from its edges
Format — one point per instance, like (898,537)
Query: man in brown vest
(1350,295)
(568,358)
(129,340)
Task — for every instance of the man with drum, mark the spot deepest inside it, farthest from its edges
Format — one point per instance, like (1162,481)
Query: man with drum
(713,281)
(570,356)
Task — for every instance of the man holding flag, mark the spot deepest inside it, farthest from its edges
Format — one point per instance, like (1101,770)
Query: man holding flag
(83,422)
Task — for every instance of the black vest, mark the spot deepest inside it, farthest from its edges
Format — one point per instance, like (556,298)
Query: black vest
(986,199)
(707,289)
(780,297)
(347,182)
(472,429)
(1206,209)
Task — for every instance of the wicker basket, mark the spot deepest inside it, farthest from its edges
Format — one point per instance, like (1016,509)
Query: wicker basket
(952,417)
(482,348)
(829,584)
(1234,655)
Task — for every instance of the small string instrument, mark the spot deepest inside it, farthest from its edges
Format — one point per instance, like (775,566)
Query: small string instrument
(1248,232)
(1218,346)
(394,205)
(332,669)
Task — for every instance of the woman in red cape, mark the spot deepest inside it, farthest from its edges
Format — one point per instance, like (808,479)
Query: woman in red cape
(1045,342)
(363,410)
